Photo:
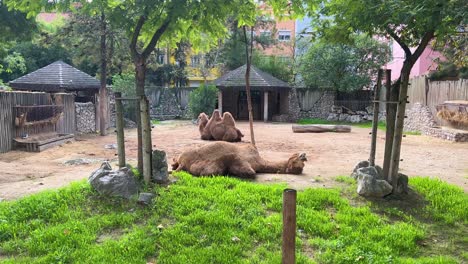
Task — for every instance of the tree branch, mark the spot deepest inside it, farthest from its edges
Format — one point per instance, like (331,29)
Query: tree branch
(422,45)
(136,33)
(399,41)
(154,40)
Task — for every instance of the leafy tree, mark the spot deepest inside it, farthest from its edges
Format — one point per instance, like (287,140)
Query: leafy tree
(409,23)
(277,66)
(343,66)
(203,100)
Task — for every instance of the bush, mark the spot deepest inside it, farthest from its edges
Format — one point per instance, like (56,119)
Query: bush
(203,99)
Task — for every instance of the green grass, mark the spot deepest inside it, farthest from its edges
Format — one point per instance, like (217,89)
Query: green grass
(224,220)
(313,121)
(155,122)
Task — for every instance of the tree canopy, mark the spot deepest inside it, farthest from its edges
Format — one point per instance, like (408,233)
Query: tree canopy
(342,66)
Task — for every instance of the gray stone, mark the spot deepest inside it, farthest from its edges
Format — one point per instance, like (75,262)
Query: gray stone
(343,117)
(402,184)
(119,183)
(361,164)
(355,119)
(370,109)
(361,113)
(333,117)
(380,172)
(110,146)
(160,168)
(372,171)
(369,186)
(145,198)
(81,161)
(85,117)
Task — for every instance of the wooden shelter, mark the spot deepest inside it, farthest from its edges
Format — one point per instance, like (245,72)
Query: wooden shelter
(269,94)
(59,77)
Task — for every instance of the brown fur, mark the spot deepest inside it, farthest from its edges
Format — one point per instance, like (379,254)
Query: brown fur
(217,128)
(222,158)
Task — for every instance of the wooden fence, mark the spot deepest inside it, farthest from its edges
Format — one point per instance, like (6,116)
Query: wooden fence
(8,100)
(432,93)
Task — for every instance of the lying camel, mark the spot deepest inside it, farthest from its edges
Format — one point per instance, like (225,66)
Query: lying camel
(222,158)
(219,128)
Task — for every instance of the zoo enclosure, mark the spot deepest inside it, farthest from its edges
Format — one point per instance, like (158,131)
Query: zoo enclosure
(14,103)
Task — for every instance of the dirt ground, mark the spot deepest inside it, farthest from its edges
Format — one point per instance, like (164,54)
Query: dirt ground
(329,154)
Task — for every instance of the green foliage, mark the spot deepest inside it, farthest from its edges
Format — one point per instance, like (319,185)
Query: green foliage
(279,67)
(203,100)
(14,25)
(446,202)
(124,83)
(343,67)
(211,220)
(448,70)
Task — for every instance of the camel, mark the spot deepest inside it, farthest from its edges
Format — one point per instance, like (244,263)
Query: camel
(219,128)
(240,160)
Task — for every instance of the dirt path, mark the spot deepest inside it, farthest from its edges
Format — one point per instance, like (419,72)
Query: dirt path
(329,155)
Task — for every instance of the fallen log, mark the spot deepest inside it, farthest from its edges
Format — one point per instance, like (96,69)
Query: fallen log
(321,128)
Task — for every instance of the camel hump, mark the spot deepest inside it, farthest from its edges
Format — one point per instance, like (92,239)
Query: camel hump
(228,119)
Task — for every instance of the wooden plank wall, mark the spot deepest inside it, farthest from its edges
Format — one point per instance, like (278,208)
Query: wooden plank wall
(6,121)
(10,99)
(433,93)
(67,123)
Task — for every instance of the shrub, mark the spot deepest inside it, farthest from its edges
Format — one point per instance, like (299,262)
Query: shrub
(203,99)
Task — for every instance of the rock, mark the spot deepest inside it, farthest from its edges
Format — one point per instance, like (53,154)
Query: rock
(372,171)
(380,172)
(159,163)
(343,117)
(145,198)
(129,123)
(361,113)
(369,186)
(355,119)
(119,183)
(110,146)
(360,164)
(402,184)
(370,109)
(333,117)
(81,161)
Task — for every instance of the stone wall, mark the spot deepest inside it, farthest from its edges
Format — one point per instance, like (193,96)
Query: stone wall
(85,117)
(321,108)
(169,103)
(419,118)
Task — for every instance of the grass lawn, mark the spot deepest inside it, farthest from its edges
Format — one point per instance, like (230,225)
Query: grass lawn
(381,125)
(226,220)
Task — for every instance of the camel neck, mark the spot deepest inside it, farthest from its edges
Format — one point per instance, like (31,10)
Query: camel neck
(273,167)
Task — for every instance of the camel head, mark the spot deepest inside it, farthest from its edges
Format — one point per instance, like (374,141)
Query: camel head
(296,163)
(202,119)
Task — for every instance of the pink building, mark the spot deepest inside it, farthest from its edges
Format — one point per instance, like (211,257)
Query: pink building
(426,63)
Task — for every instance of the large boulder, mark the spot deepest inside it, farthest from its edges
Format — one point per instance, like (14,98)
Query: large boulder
(361,164)
(160,168)
(119,183)
(355,119)
(369,186)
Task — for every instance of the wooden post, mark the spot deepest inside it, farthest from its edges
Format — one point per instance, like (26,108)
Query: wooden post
(119,123)
(289,227)
(375,121)
(399,123)
(265,106)
(391,96)
(220,101)
(139,136)
(146,138)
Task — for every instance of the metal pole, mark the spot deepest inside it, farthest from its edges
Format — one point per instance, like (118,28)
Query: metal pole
(289,226)
(119,123)
(375,121)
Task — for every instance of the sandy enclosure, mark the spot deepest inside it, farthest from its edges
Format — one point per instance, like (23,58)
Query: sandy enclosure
(329,154)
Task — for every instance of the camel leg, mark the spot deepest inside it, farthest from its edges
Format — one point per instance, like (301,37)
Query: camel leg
(241,169)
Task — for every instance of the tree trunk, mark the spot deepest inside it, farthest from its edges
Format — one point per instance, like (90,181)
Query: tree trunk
(145,123)
(375,120)
(391,108)
(140,71)
(248,44)
(103,90)
(400,118)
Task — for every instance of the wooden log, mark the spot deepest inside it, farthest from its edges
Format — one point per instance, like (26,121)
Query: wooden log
(321,128)
(120,131)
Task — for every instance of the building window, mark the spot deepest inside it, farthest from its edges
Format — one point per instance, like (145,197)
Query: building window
(195,61)
(284,35)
